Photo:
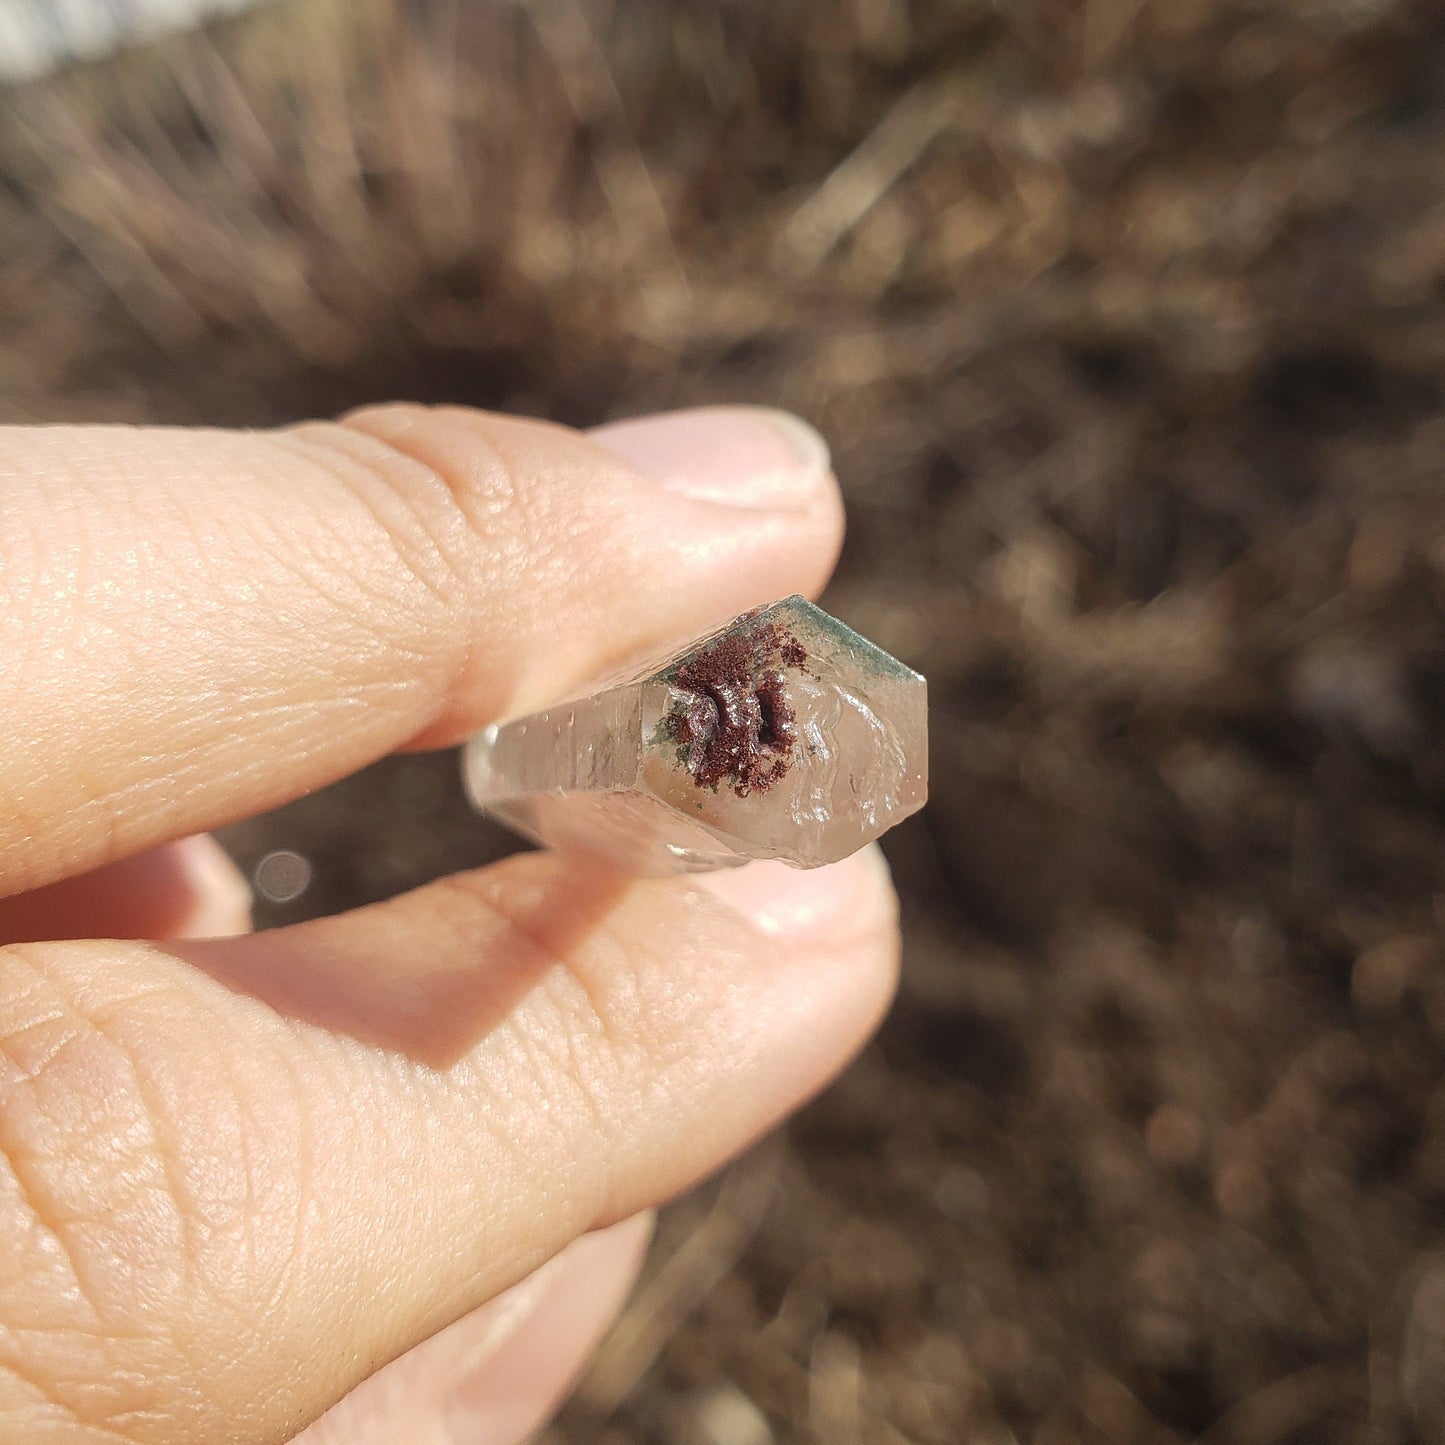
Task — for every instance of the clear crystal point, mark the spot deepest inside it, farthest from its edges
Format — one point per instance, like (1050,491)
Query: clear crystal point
(782,735)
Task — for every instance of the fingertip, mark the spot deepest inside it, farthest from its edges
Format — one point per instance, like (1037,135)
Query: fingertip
(815,905)
(220,896)
(497,1373)
(187,888)
(830,938)
(508,1393)
(738,456)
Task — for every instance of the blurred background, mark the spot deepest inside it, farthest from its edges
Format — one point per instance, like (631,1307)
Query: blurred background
(1126,320)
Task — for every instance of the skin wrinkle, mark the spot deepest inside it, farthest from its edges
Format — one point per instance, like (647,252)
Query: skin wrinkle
(287,1293)
(494,507)
(578,1009)
(442,1007)
(38,1207)
(595,1010)
(125,816)
(157,1146)
(484,1089)
(588,1017)
(561,971)
(332,575)
(132,1165)
(489,508)
(492,1095)
(408,1142)
(68,961)
(316,555)
(94,795)
(385,602)
(199,1227)
(51,534)
(290,1278)
(575,1008)
(557,532)
(31,1224)
(11,1036)
(489,487)
(62,1416)
(18,594)
(299,574)
(538,1042)
(561,1067)
(249,1129)
(113,1400)
(559,547)
(100,802)
(121,1426)
(379,479)
(18,586)
(466,911)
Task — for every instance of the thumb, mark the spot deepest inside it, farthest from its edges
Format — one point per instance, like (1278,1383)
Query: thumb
(495,1376)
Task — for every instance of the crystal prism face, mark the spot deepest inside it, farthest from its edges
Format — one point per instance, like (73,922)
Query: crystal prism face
(783,735)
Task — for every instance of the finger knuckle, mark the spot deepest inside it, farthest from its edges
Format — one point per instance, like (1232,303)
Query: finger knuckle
(437,506)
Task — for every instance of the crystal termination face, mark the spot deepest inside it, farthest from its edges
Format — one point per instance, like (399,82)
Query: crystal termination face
(783,735)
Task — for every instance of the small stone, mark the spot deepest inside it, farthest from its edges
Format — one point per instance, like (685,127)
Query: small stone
(1421,1379)
(727,1417)
(1384,974)
(1242,1191)
(1173,1135)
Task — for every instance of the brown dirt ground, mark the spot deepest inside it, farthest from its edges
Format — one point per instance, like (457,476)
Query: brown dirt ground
(1126,319)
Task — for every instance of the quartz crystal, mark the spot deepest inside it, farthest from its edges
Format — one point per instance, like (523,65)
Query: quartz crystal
(782,735)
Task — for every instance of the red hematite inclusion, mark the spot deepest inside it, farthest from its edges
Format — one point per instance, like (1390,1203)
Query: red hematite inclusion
(738,727)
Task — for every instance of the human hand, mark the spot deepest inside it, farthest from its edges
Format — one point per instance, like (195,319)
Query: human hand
(243,1178)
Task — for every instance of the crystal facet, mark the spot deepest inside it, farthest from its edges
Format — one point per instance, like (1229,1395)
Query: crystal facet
(783,735)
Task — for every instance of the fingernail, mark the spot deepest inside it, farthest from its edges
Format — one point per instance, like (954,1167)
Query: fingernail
(223,899)
(507,1385)
(508,1312)
(816,904)
(740,456)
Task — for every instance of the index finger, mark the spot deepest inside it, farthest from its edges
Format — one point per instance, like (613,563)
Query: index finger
(197,625)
